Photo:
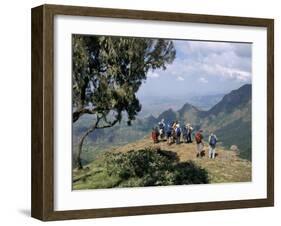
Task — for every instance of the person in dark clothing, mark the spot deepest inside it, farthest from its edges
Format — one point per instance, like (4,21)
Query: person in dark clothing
(169,134)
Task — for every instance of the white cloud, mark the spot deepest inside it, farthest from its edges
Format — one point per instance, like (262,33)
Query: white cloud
(202,49)
(227,72)
(212,66)
(179,78)
(203,80)
(152,75)
(220,60)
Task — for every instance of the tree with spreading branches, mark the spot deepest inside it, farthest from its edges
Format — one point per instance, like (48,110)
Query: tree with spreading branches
(107,73)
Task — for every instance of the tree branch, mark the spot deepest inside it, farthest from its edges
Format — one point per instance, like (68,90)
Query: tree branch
(76,115)
(91,129)
(109,124)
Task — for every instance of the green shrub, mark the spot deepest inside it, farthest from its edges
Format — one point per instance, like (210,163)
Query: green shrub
(189,173)
(151,167)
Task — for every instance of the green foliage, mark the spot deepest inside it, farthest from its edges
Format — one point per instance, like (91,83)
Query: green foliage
(150,167)
(97,180)
(108,71)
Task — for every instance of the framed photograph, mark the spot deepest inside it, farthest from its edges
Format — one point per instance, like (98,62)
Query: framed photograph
(141,112)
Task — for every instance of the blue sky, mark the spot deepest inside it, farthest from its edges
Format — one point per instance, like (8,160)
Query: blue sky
(201,68)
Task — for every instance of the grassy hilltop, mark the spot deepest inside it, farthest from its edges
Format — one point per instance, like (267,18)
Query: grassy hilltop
(143,163)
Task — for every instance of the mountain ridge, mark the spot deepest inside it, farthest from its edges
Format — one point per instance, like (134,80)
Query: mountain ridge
(230,119)
(226,104)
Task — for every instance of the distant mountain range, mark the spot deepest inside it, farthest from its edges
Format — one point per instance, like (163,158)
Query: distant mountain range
(155,105)
(230,119)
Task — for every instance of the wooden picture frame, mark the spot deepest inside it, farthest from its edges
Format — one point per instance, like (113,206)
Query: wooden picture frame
(43,112)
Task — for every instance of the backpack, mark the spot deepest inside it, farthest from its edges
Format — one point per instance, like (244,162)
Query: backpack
(161,125)
(198,138)
(213,140)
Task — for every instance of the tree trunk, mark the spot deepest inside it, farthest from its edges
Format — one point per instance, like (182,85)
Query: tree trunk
(80,145)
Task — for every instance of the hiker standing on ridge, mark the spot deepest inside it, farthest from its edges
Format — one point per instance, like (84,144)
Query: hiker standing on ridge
(178,133)
(184,134)
(199,142)
(169,135)
(189,131)
(174,126)
(161,125)
(155,135)
(212,145)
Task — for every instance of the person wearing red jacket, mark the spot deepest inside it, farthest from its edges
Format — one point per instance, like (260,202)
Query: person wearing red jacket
(155,135)
(199,142)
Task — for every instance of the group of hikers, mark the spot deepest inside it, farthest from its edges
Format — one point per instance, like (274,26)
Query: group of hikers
(173,132)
